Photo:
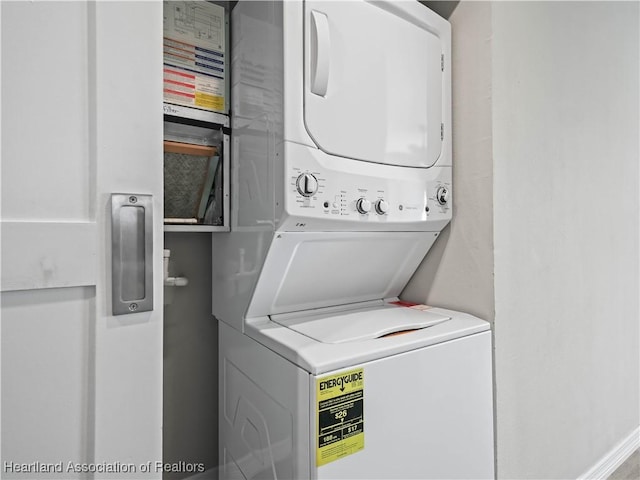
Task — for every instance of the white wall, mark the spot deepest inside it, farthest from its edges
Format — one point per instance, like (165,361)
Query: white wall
(565,146)
(564,135)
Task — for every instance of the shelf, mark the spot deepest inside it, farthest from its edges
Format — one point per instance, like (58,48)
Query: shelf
(189,149)
(195,228)
(196,143)
(196,114)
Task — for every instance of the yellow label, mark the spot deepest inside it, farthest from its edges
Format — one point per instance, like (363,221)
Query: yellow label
(206,100)
(339,415)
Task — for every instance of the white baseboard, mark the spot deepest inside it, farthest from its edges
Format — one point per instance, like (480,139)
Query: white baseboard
(614,458)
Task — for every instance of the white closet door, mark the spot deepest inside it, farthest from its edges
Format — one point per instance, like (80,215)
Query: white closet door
(81,119)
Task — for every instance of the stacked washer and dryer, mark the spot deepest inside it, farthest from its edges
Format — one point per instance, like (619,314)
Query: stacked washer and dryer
(341,182)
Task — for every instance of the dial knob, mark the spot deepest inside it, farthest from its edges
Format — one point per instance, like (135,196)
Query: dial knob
(363,205)
(442,195)
(307,184)
(382,206)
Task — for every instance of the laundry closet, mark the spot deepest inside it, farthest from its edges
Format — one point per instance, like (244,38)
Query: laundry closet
(196,105)
(307,172)
(290,233)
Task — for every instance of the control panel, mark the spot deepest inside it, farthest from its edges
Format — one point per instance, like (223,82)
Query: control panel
(365,193)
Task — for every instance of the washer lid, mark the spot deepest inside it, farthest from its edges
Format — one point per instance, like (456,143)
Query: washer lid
(317,357)
(358,325)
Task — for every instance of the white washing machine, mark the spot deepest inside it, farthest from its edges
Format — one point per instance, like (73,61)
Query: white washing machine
(341,174)
(329,396)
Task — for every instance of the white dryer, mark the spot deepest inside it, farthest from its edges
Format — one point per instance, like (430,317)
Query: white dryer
(341,182)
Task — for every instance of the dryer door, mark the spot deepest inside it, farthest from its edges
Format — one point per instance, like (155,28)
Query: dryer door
(373,80)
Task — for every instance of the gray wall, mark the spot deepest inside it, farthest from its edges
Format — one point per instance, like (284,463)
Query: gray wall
(558,270)
(458,271)
(190,417)
(565,123)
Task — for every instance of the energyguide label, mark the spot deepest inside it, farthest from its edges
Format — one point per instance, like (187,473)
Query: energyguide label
(339,416)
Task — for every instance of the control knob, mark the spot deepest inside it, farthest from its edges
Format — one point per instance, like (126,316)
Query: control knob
(382,206)
(363,205)
(307,184)
(442,195)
